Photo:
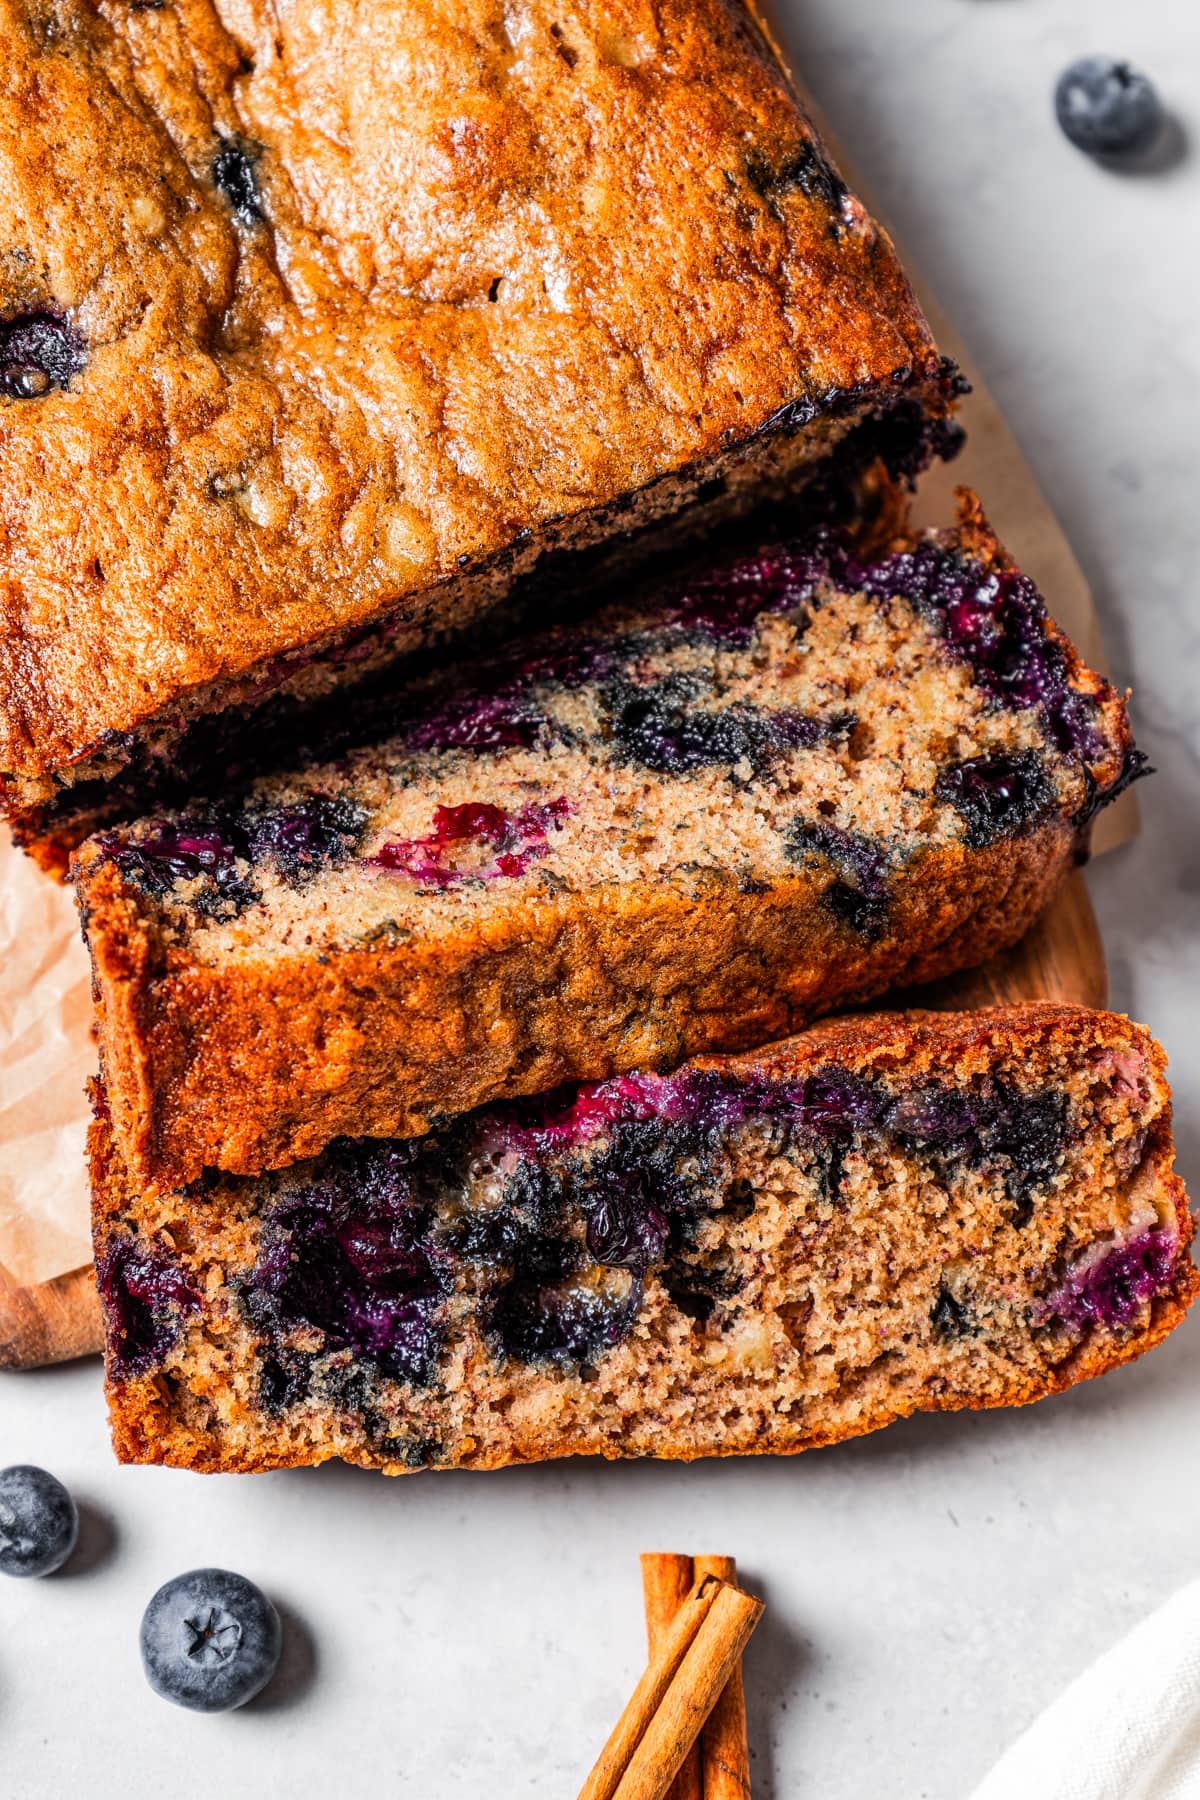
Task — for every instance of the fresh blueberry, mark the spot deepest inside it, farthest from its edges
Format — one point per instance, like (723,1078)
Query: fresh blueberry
(210,1640)
(38,1522)
(1107,108)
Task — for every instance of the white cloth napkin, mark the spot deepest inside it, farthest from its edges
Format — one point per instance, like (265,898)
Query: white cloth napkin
(1127,1729)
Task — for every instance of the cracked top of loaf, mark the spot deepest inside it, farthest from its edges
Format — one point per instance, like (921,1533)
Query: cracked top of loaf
(307,307)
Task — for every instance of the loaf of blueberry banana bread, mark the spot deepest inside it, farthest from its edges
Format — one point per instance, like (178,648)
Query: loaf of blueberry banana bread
(761,1253)
(717,809)
(320,325)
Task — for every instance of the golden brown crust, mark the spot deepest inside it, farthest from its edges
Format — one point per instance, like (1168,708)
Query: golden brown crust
(502,275)
(146,1428)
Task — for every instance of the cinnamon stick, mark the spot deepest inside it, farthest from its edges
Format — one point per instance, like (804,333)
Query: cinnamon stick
(711,1658)
(666,1580)
(724,1745)
(649,1694)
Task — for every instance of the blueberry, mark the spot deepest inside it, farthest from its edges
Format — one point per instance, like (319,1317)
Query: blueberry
(806,169)
(351,1256)
(473,721)
(38,351)
(625,1230)
(835,1104)
(1107,108)
(997,796)
(210,1640)
(656,727)
(314,833)
(859,898)
(284,1380)
(561,1320)
(726,602)
(952,1317)
(1028,1129)
(183,850)
(994,620)
(146,1297)
(1135,766)
(519,838)
(38,1522)
(934,1119)
(697,1288)
(1112,1287)
(208,843)
(233,175)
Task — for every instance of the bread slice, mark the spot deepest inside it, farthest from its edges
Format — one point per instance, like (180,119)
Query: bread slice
(737,801)
(323,325)
(763,1253)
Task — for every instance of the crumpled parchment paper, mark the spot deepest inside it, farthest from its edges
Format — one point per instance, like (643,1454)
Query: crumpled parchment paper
(46,1056)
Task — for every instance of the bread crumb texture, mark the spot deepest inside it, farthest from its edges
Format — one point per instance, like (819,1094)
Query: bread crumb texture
(885,1215)
(757,791)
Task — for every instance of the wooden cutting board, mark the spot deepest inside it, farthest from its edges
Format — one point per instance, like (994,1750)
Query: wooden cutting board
(50,1322)
(1061,958)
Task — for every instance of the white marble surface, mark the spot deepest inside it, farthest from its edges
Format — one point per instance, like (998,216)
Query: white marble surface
(930,1588)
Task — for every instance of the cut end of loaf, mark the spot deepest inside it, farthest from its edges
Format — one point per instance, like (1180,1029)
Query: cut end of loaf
(756,1254)
(772,784)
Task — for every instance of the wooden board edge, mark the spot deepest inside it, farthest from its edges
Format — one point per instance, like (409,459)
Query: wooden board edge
(49,1321)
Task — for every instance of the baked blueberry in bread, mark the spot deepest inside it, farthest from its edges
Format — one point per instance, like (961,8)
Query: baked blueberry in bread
(741,798)
(321,325)
(759,1253)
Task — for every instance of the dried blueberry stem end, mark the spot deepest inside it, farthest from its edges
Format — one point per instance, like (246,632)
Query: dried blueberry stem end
(210,1640)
